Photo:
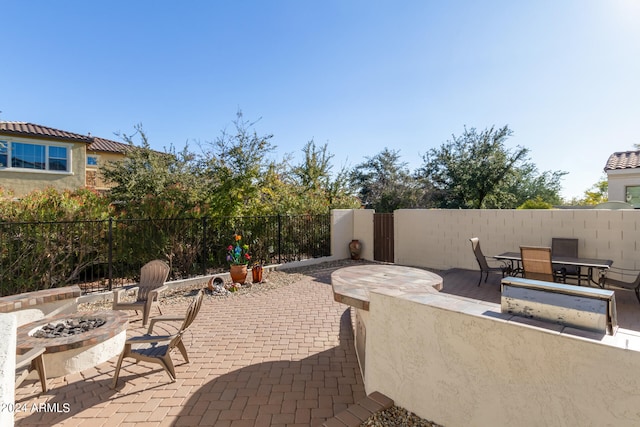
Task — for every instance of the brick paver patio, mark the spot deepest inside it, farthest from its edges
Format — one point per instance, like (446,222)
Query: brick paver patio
(279,358)
(284,357)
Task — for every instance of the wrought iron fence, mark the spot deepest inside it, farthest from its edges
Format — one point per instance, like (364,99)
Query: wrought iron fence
(101,255)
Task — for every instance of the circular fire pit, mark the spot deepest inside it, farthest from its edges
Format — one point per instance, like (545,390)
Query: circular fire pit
(75,345)
(68,327)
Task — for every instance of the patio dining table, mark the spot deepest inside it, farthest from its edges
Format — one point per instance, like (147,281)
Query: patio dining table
(602,265)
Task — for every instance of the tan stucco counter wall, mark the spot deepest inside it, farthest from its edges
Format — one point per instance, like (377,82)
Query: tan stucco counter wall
(463,363)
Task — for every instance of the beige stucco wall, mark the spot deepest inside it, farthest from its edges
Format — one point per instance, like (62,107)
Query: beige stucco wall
(618,181)
(349,224)
(440,238)
(7,367)
(341,232)
(460,363)
(103,159)
(363,231)
(22,181)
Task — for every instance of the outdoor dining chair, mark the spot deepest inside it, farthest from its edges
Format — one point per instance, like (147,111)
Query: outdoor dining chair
(483,262)
(536,263)
(157,348)
(31,360)
(635,285)
(565,247)
(152,277)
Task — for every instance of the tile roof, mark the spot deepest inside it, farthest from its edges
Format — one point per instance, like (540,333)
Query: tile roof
(106,145)
(623,160)
(30,129)
(24,128)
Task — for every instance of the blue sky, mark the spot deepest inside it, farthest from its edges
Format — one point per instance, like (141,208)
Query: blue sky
(564,75)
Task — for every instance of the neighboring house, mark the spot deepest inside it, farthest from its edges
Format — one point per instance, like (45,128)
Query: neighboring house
(623,175)
(35,157)
(100,152)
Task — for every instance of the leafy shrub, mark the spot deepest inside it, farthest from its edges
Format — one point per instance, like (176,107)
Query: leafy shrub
(536,203)
(54,205)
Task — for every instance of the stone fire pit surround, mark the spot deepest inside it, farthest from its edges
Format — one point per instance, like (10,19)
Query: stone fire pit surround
(68,327)
(74,353)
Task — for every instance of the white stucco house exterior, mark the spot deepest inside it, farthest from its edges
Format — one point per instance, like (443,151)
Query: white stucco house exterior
(623,175)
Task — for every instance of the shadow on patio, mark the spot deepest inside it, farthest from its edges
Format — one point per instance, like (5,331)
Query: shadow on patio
(279,357)
(304,392)
(282,357)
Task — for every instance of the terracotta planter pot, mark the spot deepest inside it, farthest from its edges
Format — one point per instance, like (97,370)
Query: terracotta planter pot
(355,248)
(256,272)
(238,273)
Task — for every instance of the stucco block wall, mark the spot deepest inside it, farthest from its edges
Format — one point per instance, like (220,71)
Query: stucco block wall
(462,363)
(363,231)
(7,366)
(341,232)
(440,238)
(349,224)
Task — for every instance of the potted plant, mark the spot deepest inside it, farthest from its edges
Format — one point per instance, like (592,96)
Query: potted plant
(238,257)
(256,273)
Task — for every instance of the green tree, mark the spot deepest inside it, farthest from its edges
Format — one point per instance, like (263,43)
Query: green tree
(315,170)
(597,193)
(234,167)
(385,184)
(318,190)
(476,171)
(149,183)
(529,185)
(470,171)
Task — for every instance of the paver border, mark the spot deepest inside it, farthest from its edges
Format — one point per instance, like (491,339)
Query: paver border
(359,412)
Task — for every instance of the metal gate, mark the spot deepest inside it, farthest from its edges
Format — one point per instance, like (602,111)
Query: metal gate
(383,237)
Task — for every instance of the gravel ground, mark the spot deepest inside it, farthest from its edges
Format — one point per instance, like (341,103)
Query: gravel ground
(397,417)
(274,279)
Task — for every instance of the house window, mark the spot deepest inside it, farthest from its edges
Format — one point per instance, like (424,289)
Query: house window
(28,156)
(4,153)
(92,160)
(57,158)
(21,155)
(633,195)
